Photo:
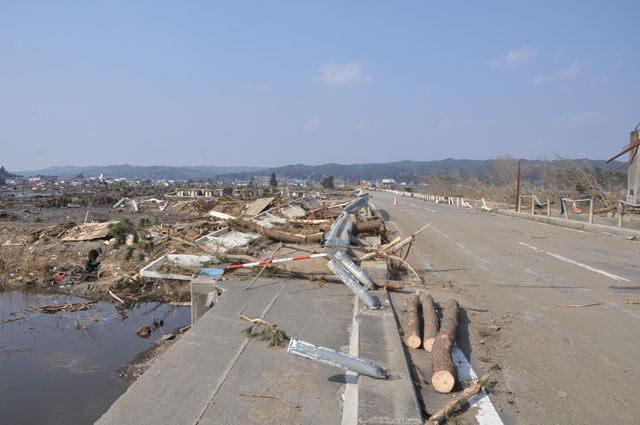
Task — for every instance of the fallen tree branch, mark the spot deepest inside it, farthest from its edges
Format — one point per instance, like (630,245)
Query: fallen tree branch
(407,265)
(577,305)
(293,406)
(395,245)
(455,404)
(263,330)
(263,267)
(117,298)
(54,308)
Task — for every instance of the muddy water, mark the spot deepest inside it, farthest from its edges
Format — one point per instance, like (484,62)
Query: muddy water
(63,368)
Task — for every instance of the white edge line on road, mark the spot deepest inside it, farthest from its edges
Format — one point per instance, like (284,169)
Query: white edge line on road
(429,209)
(487,414)
(569,260)
(351,401)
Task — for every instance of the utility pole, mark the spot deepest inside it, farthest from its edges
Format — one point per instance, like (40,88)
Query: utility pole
(518,190)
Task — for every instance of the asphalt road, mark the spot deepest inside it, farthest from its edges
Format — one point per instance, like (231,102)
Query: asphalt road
(557,364)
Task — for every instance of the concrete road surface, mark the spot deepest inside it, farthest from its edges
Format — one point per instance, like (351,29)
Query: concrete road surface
(556,364)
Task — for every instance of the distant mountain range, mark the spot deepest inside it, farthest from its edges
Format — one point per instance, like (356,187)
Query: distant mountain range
(401,170)
(155,172)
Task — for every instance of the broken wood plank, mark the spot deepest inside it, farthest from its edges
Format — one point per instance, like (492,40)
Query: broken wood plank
(258,206)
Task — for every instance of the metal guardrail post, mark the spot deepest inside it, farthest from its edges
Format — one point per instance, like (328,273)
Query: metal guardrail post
(533,205)
(548,207)
(506,202)
(519,203)
(620,214)
(564,208)
(591,211)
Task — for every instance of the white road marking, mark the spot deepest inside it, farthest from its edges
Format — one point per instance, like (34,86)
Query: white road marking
(429,209)
(487,414)
(350,405)
(568,260)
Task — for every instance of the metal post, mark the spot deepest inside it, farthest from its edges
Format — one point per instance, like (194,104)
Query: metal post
(356,271)
(591,211)
(518,189)
(351,282)
(518,203)
(620,214)
(533,205)
(336,359)
(566,211)
(548,207)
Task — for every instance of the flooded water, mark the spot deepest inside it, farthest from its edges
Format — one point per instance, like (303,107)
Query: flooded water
(62,368)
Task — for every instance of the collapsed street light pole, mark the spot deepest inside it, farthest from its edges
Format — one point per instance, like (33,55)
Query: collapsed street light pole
(335,358)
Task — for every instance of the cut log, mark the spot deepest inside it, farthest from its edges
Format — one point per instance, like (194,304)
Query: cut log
(444,369)
(390,284)
(279,235)
(430,321)
(368,226)
(412,336)
(457,403)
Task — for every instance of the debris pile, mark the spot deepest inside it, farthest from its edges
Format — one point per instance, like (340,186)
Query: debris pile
(106,249)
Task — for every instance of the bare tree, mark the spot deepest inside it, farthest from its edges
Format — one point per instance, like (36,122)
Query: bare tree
(505,171)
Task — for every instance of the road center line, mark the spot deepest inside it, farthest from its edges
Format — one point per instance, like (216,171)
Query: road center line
(568,260)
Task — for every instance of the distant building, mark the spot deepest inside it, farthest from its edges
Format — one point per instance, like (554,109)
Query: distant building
(196,193)
(387,183)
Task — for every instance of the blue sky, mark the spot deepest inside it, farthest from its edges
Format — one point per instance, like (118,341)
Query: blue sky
(270,83)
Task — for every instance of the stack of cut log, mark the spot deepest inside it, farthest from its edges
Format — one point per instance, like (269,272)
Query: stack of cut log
(437,342)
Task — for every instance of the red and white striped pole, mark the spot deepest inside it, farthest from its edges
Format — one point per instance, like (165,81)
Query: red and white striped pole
(279,260)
